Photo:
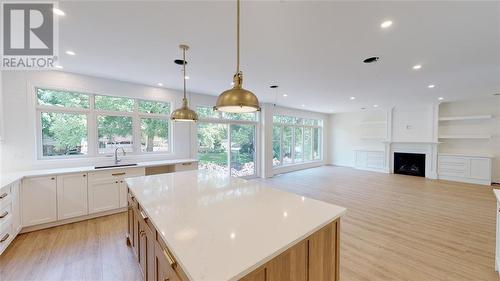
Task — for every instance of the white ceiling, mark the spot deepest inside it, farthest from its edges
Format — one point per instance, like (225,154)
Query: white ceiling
(313,50)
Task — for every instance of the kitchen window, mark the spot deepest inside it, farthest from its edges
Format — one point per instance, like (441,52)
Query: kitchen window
(296,140)
(73,124)
(227,142)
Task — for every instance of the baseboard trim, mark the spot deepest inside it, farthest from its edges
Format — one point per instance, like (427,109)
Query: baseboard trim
(71,220)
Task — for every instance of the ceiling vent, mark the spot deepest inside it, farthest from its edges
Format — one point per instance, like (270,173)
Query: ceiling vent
(371,60)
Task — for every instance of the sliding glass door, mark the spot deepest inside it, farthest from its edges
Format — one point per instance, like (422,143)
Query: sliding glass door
(227,144)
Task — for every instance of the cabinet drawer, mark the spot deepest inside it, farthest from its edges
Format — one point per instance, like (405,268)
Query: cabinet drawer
(186,166)
(5,215)
(6,235)
(5,195)
(116,173)
(452,160)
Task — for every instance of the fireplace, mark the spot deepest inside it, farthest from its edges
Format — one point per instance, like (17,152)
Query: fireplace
(412,164)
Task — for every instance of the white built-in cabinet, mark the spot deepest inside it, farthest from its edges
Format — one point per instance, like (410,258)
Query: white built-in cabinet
(10,219)
(370,160)
(470,169)
(104,195)
(72,198)
(39,200)
(108,190)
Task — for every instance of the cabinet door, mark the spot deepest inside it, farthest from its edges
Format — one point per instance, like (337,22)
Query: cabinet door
(16,210)
(323,254)
(290,266)
(150,255)
(104,195)
(480,168)
(123,193)
(38,200)
(72,196)
(163,270)
(130,223)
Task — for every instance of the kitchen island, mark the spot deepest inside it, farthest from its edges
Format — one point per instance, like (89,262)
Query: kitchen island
(197,225)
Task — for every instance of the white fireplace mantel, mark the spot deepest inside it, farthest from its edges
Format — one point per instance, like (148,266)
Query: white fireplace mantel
(429,148)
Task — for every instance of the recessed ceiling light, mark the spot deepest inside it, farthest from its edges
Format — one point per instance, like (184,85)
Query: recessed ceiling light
(386,24)
(58,12)
(71,53)
(285,95)
(58,66)
(186,77)
(352,98)
(363,108)
(375,105)
(160,84)
(431,86)
(440,98)
(417,67)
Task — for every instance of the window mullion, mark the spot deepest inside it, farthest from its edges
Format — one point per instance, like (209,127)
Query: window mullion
(136,128)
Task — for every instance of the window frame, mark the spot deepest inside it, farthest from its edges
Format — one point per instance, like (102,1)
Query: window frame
(228,123)
(92,114)
(278,121)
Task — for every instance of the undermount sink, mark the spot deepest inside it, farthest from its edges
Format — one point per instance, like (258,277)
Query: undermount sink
(114,166)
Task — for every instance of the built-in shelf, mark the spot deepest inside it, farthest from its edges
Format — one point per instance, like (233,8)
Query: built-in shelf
(470,117)
(373,138)
(465,136)
(373,123)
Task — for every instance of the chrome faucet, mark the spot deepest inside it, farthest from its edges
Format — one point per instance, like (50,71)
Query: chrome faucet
(116,155)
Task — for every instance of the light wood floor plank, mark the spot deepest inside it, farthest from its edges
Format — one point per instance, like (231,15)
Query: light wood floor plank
(396,228)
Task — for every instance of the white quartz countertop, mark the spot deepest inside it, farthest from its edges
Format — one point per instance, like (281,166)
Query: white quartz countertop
(8,178)
(497,194)
(221,228)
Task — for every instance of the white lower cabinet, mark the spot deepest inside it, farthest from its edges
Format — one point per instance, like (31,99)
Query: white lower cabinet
(104,195)
(72,198)
(10,220)
(369,160)
(468,169)
(38,200)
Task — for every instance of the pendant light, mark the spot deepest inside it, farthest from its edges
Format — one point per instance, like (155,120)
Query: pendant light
(184,113)
(237,99)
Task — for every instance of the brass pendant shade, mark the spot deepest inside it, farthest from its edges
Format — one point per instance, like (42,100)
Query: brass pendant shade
(184,114)
(237,99)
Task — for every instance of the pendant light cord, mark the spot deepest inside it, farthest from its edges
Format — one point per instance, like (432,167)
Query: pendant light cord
(237,36)
(184,70)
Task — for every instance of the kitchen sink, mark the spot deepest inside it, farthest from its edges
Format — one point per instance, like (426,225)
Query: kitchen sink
(114,166)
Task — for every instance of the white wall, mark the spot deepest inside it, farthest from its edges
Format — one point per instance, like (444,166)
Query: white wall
(345,136)
(19,145)
(489,147)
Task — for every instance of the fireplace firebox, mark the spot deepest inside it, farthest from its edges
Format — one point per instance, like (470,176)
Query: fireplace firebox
(412,164)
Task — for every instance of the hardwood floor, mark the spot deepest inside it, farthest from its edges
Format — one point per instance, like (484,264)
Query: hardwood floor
(405,228)
(396,228)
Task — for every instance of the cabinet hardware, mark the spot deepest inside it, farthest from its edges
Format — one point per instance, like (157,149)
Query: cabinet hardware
(144,217)
(84,175)
(142,232)
(3,195)
(119,174)
(170,259)
(121,181)
(6,236)
(116,181)
(4,215)
(52,178)
(166,279)
(186,164)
